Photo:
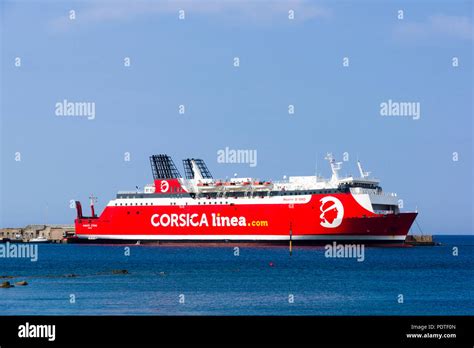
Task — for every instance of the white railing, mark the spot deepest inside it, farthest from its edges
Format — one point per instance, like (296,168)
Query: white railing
(359,190)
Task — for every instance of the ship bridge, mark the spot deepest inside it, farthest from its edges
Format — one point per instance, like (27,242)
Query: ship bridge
(350,182)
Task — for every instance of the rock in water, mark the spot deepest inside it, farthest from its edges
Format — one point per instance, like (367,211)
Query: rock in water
(22,283)
(119,271)
(6,285)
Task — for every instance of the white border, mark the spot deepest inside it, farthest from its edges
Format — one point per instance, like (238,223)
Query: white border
(239,237)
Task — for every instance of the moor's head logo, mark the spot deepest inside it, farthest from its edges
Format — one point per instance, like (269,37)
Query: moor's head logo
(332,212)
(165,186)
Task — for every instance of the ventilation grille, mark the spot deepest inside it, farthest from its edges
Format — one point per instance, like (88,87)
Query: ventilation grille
(189,172)
(163,167)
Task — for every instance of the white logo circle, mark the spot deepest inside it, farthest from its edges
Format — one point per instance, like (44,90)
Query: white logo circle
(331,206)
(165,186)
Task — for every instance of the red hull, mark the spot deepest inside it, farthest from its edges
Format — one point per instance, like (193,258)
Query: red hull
(256,219)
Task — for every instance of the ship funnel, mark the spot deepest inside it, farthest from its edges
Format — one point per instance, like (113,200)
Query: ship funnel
(163,167)
(195,168)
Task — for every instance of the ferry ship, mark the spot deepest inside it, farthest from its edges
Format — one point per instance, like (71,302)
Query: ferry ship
(198,208)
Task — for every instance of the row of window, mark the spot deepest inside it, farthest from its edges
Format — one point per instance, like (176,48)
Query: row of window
(290,193)
(283,194)
(308,192)
(211,203)
(172,203)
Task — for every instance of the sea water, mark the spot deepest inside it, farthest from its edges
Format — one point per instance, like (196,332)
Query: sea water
(75,279)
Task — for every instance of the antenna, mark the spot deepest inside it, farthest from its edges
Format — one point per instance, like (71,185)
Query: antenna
(361,171)
(316,169)
(335,166)
(93,200)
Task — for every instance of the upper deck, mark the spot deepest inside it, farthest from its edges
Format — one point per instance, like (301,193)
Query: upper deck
(199,183)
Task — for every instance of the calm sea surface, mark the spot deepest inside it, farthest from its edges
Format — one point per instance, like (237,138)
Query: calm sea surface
(212,281)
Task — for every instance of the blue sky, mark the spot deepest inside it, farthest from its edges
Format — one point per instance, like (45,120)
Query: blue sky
(190,62)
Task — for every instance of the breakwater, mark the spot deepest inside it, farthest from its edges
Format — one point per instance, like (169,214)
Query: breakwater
(52,233)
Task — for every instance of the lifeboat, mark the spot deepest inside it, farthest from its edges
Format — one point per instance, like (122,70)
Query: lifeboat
(262,185)
(206,186)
